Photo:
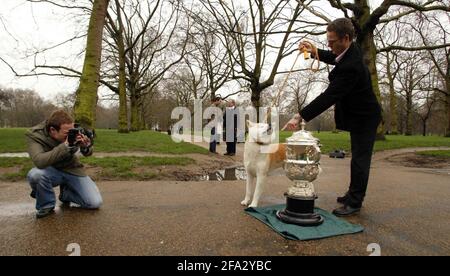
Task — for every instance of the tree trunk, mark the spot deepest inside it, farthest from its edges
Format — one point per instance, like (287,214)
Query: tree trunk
(447,134)
(370,56)
(256,100)
(123,112)
(393,110)
(123,105)
(408,115)
(86,95)
(134,111)
(142,123)
(424,124)
(393,124)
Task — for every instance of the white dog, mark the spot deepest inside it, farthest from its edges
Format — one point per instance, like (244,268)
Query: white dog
(260,157)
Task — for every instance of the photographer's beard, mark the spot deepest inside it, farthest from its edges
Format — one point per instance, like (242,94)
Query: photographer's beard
(61,135)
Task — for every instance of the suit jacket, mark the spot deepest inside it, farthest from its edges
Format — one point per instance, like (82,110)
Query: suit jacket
(350,90)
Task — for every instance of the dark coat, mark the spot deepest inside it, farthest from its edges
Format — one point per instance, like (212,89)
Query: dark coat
(228,128)
(350,90)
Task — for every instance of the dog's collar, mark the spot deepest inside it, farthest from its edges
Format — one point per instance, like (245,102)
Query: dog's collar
(261,144)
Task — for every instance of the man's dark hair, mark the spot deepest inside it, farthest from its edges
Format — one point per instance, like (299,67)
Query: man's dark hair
(58,118)
(342,27)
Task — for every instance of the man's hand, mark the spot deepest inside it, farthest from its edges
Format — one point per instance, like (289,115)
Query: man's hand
(83,141)
(293,123)
(306,46)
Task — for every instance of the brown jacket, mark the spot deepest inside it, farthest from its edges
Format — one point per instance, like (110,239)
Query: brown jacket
(47,152)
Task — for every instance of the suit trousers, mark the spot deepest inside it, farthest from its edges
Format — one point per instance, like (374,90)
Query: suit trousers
(231,147)
(362,143)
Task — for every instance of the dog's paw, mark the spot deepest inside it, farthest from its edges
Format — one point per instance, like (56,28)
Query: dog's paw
(245,202)
(253,205)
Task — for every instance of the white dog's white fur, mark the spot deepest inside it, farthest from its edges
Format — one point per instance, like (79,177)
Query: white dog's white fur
(259,160)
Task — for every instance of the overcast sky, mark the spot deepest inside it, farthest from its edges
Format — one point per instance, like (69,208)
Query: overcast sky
(25,27)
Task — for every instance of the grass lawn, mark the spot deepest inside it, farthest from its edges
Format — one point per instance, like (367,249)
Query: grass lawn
(140,168)
(436,153)
(115,168)
(13,140)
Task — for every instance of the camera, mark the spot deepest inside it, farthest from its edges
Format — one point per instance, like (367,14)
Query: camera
(77,130)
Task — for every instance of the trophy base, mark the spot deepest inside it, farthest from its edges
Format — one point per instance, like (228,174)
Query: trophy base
(300,211)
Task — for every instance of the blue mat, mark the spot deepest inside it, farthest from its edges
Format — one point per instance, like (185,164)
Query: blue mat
(331,227)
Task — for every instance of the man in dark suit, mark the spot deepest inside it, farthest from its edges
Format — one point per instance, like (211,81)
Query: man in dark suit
(230,126)
(356,107)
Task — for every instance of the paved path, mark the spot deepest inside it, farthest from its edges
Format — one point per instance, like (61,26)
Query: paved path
(407,212)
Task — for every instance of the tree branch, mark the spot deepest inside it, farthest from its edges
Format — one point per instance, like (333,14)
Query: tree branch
(412,49)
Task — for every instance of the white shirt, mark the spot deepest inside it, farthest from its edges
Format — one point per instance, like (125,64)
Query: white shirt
(339,58)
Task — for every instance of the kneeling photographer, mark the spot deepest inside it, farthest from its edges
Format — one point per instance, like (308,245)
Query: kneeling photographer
(52,146)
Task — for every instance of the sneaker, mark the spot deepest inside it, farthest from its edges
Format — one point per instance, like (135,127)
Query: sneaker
(44,212)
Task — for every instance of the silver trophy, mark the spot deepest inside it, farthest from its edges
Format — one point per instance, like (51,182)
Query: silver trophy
(302,167)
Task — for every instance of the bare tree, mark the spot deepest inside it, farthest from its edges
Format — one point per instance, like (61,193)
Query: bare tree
(207,53)
(425,111)
(86,101)
(154,45)
(249,33)
(23,108)
(366,19)
(420,32)
(79,12)
(434,30)
(116,31)
(411,74)
(387,62)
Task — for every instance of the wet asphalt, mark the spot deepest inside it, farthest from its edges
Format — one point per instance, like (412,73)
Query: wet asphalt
(406,212)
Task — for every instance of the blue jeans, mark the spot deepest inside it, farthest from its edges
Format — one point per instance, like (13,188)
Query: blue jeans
(76,189)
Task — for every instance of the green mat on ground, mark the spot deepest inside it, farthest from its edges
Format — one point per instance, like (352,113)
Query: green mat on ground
(331,227)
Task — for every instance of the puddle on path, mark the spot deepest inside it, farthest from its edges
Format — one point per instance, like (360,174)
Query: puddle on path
(228,174)
(16,209)
(11,155)
(231,174)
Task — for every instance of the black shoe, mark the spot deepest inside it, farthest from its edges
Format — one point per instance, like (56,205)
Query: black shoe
(226,153)
(346,211)
(44,212)
(232,154)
